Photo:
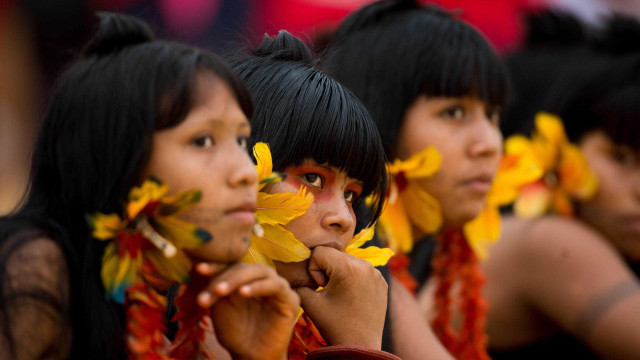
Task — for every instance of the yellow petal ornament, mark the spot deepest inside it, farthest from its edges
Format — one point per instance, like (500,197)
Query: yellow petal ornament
(566,175)
(149,233)
(273,213)
(408,203)
(515,171)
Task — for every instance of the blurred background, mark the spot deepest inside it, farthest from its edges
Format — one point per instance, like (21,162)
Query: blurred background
(39,37)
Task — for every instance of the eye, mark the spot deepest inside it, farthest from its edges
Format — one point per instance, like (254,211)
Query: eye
(453,112)
(625,156)
(494,116)
(350,196)
(314,180)
(242,141)
(203,141)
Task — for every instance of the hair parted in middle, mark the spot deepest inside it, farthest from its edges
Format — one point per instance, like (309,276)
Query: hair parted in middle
(302,113)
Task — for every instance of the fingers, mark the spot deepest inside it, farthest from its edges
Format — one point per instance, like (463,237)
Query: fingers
(248,280)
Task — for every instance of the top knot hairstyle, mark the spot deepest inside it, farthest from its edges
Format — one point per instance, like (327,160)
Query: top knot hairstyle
(302,113)
(390,52)
(95,143)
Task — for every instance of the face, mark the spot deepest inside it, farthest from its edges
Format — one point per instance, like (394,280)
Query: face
(207,151)
(465,132)
(330,221)
(615,208)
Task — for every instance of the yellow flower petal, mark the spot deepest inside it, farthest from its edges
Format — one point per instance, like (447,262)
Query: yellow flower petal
(394,227)
(422,209)
(575,176)
(373,254)
(281,208)
(105,227)
(264,165)
(254,257)
(419,165)
(362,237)
(139,197)
(483,231)
(534,200)
(279,244)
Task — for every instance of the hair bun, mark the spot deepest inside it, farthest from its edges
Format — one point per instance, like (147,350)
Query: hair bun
(284,47)
(117,31)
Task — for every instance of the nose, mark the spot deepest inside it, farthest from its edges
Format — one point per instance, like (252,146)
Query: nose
(485,137)
(337,214)
(242,173)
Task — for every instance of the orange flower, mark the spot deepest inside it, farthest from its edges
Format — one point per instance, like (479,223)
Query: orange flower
(566,175)
(408,203)
(515,171)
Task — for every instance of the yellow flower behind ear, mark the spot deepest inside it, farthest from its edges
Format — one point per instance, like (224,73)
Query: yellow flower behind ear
(273,213)
(148,232)
(515,171)
(566,175)
(407,203)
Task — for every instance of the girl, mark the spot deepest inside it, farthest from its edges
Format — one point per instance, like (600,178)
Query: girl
(322,139)
(132,108)
(429,80)
(572,283)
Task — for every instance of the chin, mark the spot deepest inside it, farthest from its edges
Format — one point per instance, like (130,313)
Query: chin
(229,251)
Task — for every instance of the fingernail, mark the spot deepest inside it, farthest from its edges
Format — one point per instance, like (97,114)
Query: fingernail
(245,290)
(204,299)
(203,268)
(222,288)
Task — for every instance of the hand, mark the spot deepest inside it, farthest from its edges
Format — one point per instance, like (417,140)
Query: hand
(252,308)
(350,309)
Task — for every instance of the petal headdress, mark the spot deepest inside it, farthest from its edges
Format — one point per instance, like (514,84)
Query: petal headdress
(566,175)
(408,203)
(146,252)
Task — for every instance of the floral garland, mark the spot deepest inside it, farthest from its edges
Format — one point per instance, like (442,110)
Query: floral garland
(145,253)
(273,213)
(566,175)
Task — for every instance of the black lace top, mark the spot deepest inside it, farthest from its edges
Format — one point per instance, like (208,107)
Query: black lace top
(34,296)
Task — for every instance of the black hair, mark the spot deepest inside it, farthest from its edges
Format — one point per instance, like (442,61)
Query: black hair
(556,44)
(94,144)
(390,52)
(302,113)
(605,98)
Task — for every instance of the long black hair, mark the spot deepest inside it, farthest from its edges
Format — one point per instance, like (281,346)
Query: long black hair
(302,113)
(390,52)
(94,145)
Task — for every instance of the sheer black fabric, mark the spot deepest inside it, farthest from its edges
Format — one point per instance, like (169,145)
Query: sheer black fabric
(35,299)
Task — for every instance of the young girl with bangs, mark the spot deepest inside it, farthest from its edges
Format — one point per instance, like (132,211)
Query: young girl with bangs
(569,285)
(323,140)
(133,108)
(429,80)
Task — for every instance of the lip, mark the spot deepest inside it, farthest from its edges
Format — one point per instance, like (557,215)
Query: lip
(481,183)
(244,212)
(331,244)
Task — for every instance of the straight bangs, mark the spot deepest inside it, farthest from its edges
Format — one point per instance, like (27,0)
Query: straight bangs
(303,114)
(607,99)
(460,63)
(178,84)
(618,115)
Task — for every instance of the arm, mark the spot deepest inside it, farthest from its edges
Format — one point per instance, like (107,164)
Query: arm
(571,274)
(412,336)
(35,318)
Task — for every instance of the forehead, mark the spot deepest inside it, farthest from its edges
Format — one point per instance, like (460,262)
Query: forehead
(215,102)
